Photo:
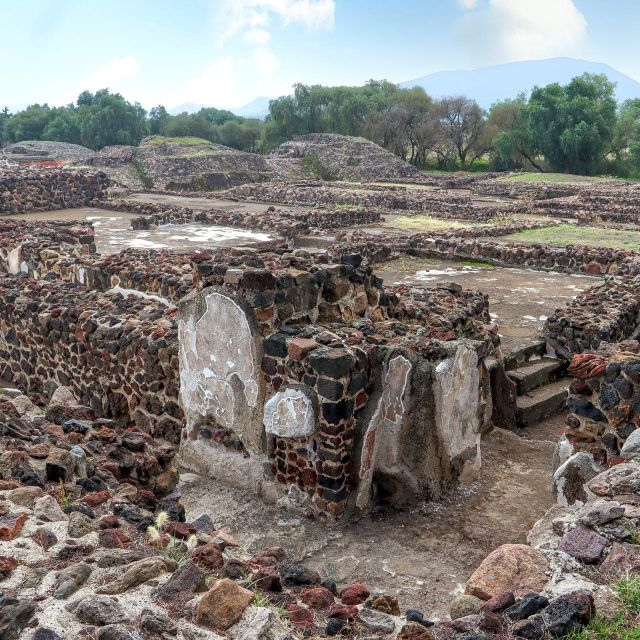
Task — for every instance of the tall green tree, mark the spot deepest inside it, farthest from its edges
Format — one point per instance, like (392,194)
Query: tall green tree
(573,126)
(28,124)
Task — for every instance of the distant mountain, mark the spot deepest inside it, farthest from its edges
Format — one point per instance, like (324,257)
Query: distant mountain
(189,107)
(258,108)
(490,84)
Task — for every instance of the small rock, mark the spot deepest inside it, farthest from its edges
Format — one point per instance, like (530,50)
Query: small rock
(343,611)
(157,622)
(532,628)
(223,605)
(204,523)
(512,567)
(45,634)
(293,573)
(415,631)
(499,602)
(113,632)
(15,614)
(186,581)
(376,621)
(71,579)
(48,509)
(383,602)
(570,480)
(11,525)
(583,544)
(618,480)
(59,465)
(7,565)
(464,605)
(334,626)
(623,559)
(355,593)
(317,598)
(100,610)
(527,606)
(601,512)
(25,496)
(138,573)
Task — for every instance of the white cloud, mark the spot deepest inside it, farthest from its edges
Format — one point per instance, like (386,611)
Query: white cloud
(468,4)
(257,37)
(265,60)
(236,15)
(112,73)
(509,30)
(115,75)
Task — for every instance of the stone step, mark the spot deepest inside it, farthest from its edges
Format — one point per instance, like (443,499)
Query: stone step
(520,356)
(534,374)
(541,403)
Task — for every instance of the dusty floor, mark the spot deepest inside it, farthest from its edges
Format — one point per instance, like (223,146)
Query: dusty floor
(423,555)
(113,233)
(519,299)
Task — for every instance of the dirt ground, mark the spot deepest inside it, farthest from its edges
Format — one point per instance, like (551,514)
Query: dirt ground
(519,299)
(423,555)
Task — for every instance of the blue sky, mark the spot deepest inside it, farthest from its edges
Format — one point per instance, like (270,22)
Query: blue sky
(226,52)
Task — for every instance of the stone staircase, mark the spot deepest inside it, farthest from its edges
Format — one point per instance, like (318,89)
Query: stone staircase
(541,389)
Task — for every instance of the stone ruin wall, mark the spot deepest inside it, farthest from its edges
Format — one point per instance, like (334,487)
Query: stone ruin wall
(119,356)
(25,190)
(319,404)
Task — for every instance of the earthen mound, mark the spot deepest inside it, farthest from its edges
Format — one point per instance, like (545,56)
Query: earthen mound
(43,150)
(330,156)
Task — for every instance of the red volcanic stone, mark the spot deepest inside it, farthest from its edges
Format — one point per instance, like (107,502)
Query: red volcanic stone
(6,485)
(11,525)
(180,530)
(7,565)
(343,611)
(113,538)
(208,556)
(317,598)
(96,498)
(499,602)
(267,578)
(355,593)
(108,522)
(39,451)
(299,616)
(300,347)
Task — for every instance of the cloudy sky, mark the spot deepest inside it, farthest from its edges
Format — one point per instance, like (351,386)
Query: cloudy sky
(227,52)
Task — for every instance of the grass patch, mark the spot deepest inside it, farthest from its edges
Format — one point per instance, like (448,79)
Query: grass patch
(476,263)
(556,178)
(565,234)
(143,176)
(185,140)
(427,223)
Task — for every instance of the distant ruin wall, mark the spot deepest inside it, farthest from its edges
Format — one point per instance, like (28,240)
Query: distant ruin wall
(27,190)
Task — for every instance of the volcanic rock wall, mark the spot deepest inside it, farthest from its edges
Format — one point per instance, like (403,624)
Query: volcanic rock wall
(25,190)
(118,355)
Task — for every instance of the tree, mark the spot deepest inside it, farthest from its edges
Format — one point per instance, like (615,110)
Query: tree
(506,133)
(573,126)
(109,119)
(158,118)
(63,126)
(28,124)
(462,122)
(626,139)
(5,115)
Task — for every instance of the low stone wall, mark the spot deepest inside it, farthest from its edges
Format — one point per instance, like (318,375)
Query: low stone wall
(284,222)
(118,355)
(568,259)
(43,247)
(25,190)
(608,312)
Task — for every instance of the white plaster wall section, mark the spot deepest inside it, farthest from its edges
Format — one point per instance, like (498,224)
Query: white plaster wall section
(380,443)
(457,397)
(219,369)
(141,294)
(14,260)
(291,413)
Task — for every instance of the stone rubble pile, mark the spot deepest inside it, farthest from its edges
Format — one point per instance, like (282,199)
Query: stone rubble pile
(95,544)
(26,190)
